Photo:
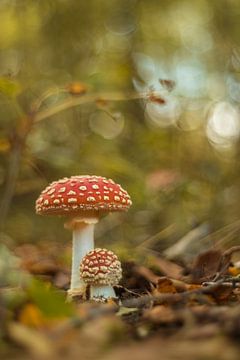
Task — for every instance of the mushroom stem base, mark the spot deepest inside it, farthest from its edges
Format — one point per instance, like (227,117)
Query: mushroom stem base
(102,292)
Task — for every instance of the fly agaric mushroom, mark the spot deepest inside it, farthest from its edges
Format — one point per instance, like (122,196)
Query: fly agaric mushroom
(101,269)
(83,199)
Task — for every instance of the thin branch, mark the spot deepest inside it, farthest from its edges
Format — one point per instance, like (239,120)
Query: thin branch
(170,298)
(235,283)
(232,250)
(88,99)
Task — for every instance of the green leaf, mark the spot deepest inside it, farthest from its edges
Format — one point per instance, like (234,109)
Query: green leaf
(50,302)
(125,311)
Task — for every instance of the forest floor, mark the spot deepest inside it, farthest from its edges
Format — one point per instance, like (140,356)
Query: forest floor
(166,310)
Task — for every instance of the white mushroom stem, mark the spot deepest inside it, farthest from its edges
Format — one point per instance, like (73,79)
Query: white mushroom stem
(102,291)
(83,242)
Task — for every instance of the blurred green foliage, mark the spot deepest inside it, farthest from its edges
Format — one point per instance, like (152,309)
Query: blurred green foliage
(178,160)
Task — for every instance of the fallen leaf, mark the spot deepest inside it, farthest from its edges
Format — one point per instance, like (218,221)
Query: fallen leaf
(168,268)
(165,286)
(31,316)
(161,314)
(146,273)
(35,342)
(206,266)
(126,311)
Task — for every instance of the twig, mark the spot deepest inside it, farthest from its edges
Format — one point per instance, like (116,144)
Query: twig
(88,99)
(226,257)
(36,116)
(235,283)
(127,290)
(232,250)
(170,298)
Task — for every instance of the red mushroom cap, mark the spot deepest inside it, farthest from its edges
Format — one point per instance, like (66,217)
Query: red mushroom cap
(100,267)
(78,194)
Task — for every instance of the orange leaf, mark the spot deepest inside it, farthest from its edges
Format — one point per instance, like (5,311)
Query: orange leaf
(165,285)
(31,316)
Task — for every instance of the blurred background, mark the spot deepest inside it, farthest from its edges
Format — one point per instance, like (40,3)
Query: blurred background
(143,92)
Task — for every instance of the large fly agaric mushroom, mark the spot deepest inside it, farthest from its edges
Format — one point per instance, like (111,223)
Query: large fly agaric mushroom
(101,269)
(83,199)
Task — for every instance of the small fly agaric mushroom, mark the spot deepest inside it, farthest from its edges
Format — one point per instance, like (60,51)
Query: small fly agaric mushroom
(84,199)
(101,269)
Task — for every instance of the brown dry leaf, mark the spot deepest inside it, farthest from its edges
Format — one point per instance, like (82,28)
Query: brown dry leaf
(193,286)
(168,268)
(161,314)
(28,253)
(176,349)
(103,330)
(202,332)
(222,293)
(206,266)
(36,260)
(165,286)
(146,273)
(92,339)
(61,280)
(44,266)
(38,345)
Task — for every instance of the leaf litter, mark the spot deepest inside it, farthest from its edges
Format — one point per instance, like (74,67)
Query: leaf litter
(165,310)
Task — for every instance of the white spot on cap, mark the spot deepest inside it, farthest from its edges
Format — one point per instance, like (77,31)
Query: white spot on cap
(46,202)
(106,198)
(56,201)
(62,181)
(83,188)
(95,187)
(72,200)
(103,268)
(91,198)
(51,191)
(116,198)
(95,268)
(71,192)
(62,190)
